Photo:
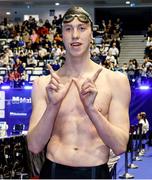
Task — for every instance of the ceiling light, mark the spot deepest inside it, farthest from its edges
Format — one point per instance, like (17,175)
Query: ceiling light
(132,5)
(144,87)
(8,13)
(57,4)
(127,2)
(5,87)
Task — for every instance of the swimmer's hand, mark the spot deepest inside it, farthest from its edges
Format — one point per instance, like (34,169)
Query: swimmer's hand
(88,90)
(55,89)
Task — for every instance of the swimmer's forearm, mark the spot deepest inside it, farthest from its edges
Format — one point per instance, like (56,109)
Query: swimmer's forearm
(113,136)
(38,136)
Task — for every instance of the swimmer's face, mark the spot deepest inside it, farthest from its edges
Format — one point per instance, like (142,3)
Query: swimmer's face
(77,35)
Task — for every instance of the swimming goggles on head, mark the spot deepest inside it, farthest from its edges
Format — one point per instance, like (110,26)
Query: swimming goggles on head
(81,17)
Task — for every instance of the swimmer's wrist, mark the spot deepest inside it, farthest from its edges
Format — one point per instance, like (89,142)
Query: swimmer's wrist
(90,108)
(56,105)
(94,108)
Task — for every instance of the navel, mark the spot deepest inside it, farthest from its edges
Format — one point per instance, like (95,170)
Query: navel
(76,149)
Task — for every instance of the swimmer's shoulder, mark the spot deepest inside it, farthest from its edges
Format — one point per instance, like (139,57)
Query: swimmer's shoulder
(42,80)
(114,76)
(40,83)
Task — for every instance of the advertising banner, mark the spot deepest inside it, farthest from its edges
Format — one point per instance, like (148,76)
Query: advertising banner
(15,107)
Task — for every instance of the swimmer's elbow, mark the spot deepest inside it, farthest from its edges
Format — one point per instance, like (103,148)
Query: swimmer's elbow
(121,146)
(122,149)
(32,146)
(33,149)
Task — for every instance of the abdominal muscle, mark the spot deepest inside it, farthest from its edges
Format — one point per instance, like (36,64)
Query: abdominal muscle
(75,142)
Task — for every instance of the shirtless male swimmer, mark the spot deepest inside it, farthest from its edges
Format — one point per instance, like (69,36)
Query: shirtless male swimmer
(80,111)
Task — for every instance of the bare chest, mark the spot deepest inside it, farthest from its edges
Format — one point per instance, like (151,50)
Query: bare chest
(72,103)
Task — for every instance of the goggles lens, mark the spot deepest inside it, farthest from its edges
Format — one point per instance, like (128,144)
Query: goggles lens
(82,18)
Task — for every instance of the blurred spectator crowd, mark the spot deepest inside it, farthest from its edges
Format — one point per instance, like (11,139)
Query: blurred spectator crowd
(27,47)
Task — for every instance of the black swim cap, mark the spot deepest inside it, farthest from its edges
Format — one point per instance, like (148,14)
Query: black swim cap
(78,12)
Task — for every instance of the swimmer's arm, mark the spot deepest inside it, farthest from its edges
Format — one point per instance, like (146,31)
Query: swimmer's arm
(42,119)
(114,131)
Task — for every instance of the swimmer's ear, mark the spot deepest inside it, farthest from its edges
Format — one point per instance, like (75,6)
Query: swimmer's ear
(92,39)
